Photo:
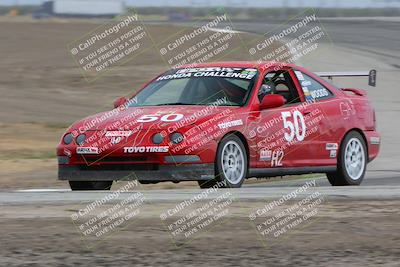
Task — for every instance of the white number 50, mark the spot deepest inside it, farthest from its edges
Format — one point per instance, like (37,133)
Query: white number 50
(166,118)
(293,127)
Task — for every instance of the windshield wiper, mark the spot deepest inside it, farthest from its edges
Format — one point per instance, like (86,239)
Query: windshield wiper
(176,103)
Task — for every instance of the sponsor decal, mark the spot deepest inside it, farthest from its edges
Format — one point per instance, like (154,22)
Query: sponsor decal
(305,83)
(146,149)
(320,93)
(265,154)
(67,152)
(333,153)
(116,139)
(299,75)
(277,157)
(229,124)
(375,140)
(87,150)
(307,94)
(223,72)
(332,146)
(118,133)
(249,71)
(116,136)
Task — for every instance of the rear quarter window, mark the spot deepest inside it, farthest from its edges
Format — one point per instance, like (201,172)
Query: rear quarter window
(312,89)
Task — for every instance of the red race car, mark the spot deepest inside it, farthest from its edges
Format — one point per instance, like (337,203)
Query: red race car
(220,123)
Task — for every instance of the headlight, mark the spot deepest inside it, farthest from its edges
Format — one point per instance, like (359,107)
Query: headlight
(68,138)
(80,139)
(158,138)
(176,138)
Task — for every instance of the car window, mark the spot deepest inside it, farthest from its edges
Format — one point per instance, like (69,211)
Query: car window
(199,86)
(283,85)
(171,93)
(312,89)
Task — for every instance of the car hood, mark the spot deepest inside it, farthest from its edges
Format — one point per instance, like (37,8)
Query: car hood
(118,119)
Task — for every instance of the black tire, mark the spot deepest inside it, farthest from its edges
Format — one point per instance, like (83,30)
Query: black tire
(90,185)
(221,178)
(342,176)
(207,184)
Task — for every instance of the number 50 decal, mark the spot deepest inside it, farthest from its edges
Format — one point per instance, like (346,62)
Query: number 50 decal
(294,129)
(165,118)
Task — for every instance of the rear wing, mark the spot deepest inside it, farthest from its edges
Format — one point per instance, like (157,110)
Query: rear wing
(370,74)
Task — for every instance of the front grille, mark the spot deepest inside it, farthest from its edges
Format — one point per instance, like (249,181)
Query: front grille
(108,159)
(119,167)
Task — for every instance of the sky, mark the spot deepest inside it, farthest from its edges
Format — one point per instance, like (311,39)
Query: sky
(240,3)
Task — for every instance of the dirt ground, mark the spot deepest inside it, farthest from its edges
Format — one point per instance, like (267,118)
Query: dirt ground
(345,233)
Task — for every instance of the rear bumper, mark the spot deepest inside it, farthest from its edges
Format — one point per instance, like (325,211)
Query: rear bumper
(184,172)
(373,143)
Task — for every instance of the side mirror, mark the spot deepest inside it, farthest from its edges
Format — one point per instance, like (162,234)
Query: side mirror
(272,101)
(120,101)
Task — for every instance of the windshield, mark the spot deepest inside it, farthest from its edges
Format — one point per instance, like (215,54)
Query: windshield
(199,86)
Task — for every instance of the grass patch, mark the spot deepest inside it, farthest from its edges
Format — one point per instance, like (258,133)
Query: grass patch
(28,154)
(51,125)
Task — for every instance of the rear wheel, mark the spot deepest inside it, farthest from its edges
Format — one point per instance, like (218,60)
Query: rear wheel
(90,185)
(230,165)
(207,184)
(352,161)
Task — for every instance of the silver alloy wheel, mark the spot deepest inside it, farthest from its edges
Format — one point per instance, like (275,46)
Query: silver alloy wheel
(233,162)
(354,158)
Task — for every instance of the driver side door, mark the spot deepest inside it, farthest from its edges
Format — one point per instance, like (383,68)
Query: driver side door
(282,132)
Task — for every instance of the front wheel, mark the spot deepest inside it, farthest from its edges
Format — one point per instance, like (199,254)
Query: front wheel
(230,165)
(352,161)
(90,185)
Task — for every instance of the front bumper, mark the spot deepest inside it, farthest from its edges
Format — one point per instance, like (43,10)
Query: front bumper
(145,172)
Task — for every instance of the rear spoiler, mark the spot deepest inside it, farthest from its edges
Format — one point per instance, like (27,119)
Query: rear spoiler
(371,75)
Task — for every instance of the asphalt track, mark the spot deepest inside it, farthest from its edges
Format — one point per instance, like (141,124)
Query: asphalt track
(358,45)
(377,36)
(377,185)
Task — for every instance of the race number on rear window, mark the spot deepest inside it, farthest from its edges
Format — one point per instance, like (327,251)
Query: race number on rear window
(311,88)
